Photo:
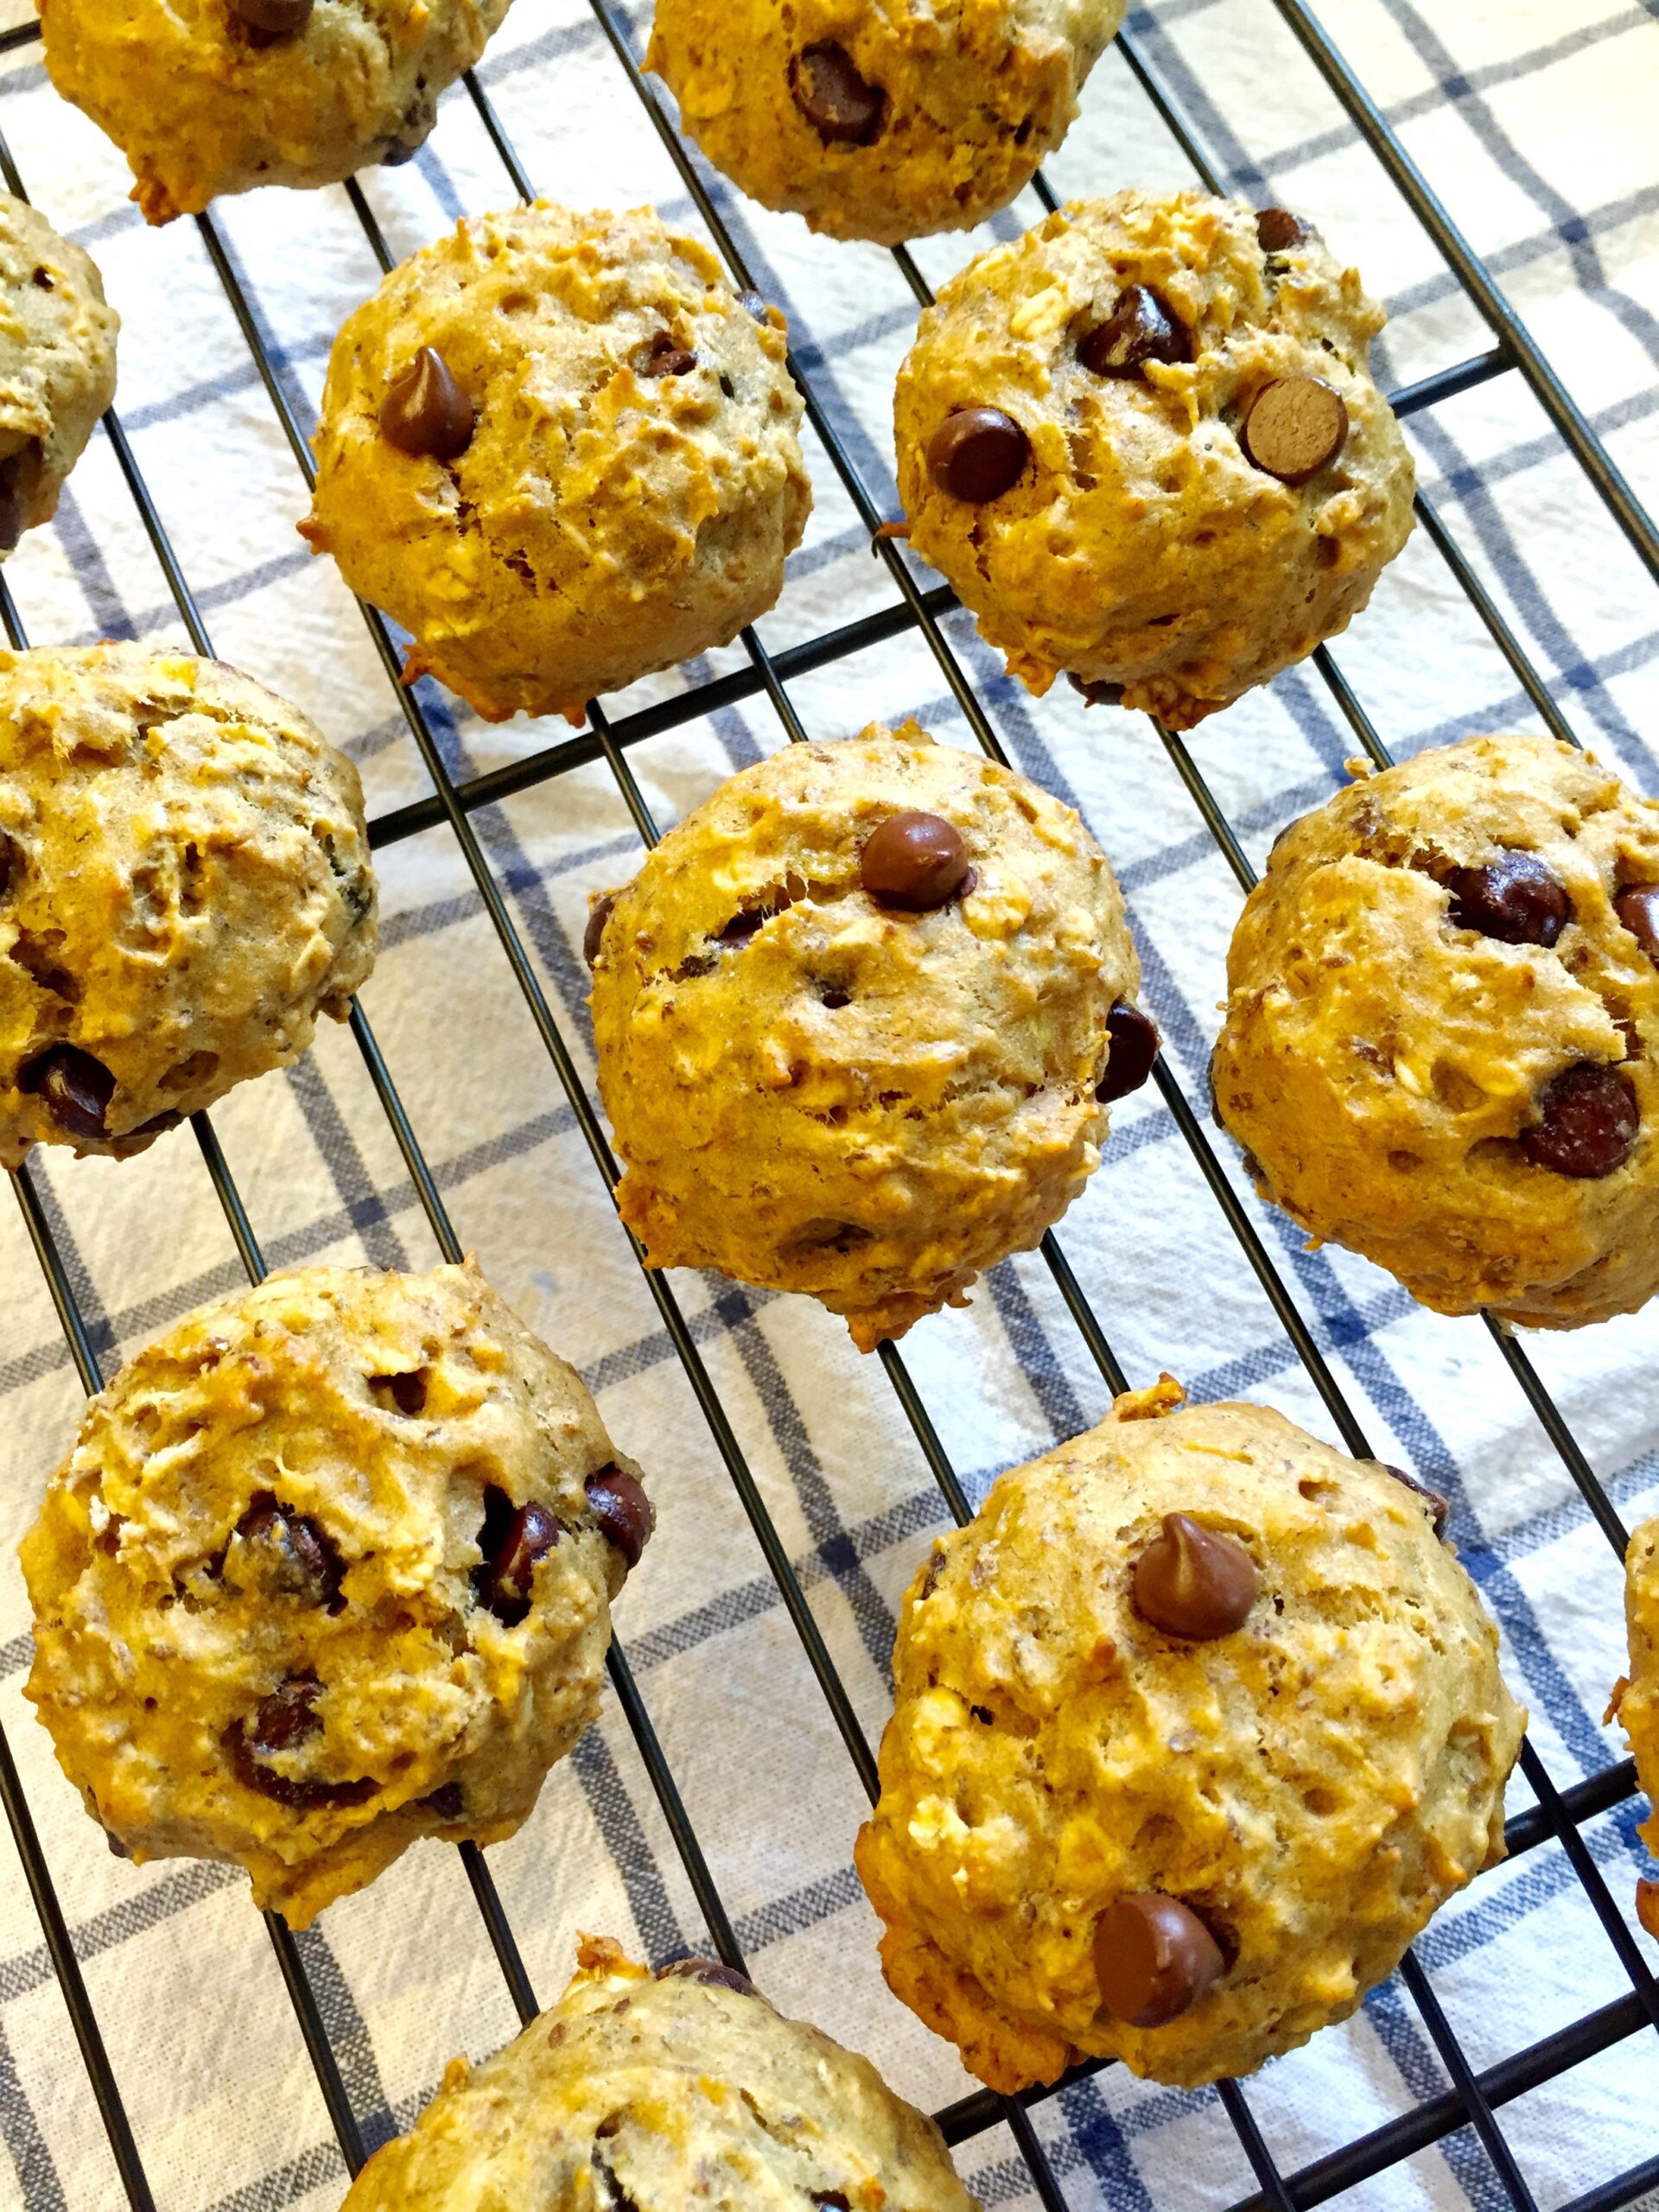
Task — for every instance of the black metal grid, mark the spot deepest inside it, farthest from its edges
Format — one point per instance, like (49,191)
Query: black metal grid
(1474,2099)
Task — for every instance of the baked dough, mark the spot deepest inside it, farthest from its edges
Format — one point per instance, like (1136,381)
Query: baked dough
(1312,1784)
(184,887)
(57,363)
(1390,1069)
(659,2095)
(277,1617)
(201,101)
(1635,1700)
(885,122)
(1138,546)
(632,480)
(815,1090)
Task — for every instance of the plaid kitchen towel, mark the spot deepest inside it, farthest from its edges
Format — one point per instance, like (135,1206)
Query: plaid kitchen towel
(1534,119)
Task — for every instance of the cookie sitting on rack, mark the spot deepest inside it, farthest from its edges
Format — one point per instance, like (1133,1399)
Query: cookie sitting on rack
(661,2093)
(1636,1698)
(184,887)
(329,1568)
(1441,1047)
(206,96)
(884,121)
(1196,1725)
(57,364)
(562,453)
(1143,445)
(857,1021)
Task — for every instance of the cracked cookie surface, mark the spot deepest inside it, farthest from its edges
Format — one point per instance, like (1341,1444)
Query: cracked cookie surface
(816,1089)
(631,481)
(659,2093)
(885,122)
(57,363)
(202,101)
(1304,1787)
(328,1568)
(1442,1030)
(184,887)
(1132,541)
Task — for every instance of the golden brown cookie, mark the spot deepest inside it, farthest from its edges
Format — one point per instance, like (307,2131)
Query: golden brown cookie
(1196,1725)
(1635,1700)
(206,96)
(560,451)
(328,1568)
(660,2094)
(57,363)
(1144,447)
(184,887)
(884,121)
(1441,1030)
(853,1018)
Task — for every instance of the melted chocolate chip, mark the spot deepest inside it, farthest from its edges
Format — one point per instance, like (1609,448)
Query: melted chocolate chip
(1587,1123)
(1296,427)
(1153,1958)
(842,107)
(1438,1506)
(915,861)
(447,1802)
(1638,909)
(282,1722)
(76,1089)
(1277,230)
(1132,1042)
(1194,1582)
(276,18)
(668,357)
(1096,694)
(977,454)
(512,1538)
(426,411)
(1516,899)
(1141,328)
(712,1971)
(622,1509)
(298,1555)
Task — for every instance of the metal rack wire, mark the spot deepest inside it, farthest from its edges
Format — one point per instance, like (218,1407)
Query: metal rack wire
(1475,2097)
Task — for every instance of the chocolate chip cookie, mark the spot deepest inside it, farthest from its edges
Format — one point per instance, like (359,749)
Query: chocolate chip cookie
(184,887)
(655,2094)
(884,121)
(328,1568)
(57,364)
(206,97)
(1442,1026)
(1635,1700)
(560,451)
(1143,445)
(1196,1724)
(858,1018)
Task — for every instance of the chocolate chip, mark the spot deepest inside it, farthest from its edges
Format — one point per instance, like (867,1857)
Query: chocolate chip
(1192,1581)
(1438,1506)
(11,517)
(156,1126)
(752,303)
(841,107)
(977,454)
(1296,427)
(426,411)
(1097,694)
(398,151)
(276,18)
(117,1849)
(668,357)
(1154,1959)
(1133,1043)
(11,861)
(914,860)
(296,1554)
(512,1538)
(1587,1123)
(1638,909)
(282,1722)
(622,1511)
(77,1087)
(1277,230)
(1514,898)
(598,914)
(711,1971)
(1141,328)
(447,1802)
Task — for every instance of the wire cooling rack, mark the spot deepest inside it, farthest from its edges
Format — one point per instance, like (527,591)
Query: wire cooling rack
(1475,2098)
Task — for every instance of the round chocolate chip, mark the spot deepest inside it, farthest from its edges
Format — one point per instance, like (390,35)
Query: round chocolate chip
(1277,230)
(282,1722)
(1097,694)
(1638,909)
(1514,898)
(598,914)
(1132,1047)
(1141,328)
(752,303)
(293,1554)
(1153,1958)
(712,1971)
(840,105)
(668,357)
(1194,1582)
(1437,1507)
(426,411)
(276,18)
(1587,1123)
(977,454)
(77,1087)
(915,861)
(512,1538)
(622,1511)
(1296,427)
